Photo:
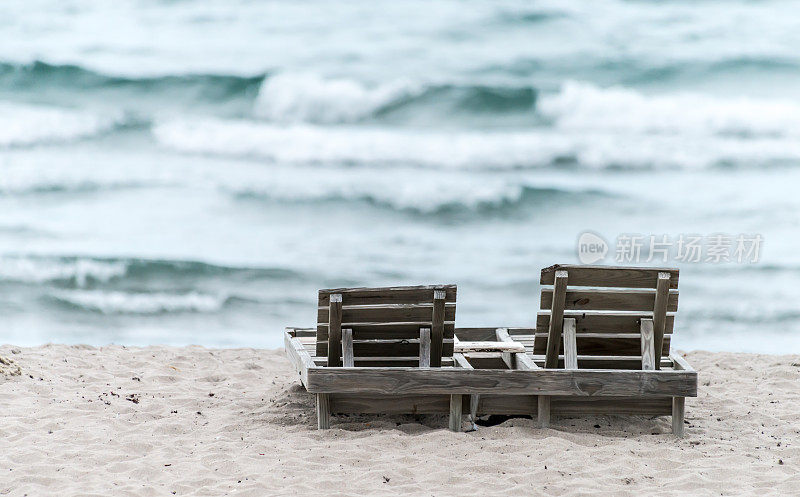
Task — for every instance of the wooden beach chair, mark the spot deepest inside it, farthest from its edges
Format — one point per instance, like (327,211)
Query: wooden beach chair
(610,318)
(397,350)
(383,327)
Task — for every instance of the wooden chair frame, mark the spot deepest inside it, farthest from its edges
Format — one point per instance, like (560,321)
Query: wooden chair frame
(496,370)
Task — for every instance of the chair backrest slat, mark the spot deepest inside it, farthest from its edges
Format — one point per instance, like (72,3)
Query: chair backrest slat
(386,322)
(608,305)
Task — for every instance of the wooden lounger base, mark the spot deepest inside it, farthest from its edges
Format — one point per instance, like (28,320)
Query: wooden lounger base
(491,385)
(519,405)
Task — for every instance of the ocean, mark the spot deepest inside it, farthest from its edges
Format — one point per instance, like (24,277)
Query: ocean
(191,172)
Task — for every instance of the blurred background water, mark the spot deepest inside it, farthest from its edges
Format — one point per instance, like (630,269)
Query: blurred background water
(193,171)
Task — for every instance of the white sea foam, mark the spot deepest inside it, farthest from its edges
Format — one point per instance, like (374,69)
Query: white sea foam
(113,302)
(293,97)
(591,126)
(431,192)
(40,270)
(22,125)
(582,106)
(532,148)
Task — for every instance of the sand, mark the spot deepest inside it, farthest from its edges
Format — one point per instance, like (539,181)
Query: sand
(79,420)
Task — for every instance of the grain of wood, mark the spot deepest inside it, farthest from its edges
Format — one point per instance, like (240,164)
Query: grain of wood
(648,346)
(390,313)
(498,404)
(488,347)
(570,346)
(323,411)
(334,329)
(556,319)
(298,355)
(680,362)
(455,412)
(582,382)
(347,348)
(461,361)
(678,406)
(603,321)
(609,299)
(543,411)
(437,327)
(660,312)
(388,295)
(425,347)
(609,276)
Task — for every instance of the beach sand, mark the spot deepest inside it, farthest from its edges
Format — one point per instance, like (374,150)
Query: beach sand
(79,420)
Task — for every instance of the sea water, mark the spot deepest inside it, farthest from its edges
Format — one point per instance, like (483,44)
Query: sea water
(193,171)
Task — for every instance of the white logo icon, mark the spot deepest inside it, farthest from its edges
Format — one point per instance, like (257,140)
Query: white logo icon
(591,248)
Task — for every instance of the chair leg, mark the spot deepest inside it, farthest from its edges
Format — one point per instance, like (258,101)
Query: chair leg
(455,413)
(323,411)
(544,411)
(678,405)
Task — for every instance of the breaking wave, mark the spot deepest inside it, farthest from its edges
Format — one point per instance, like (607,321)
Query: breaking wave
(428,197)
(565,144)
(25,125)
(115,302)
(88,271)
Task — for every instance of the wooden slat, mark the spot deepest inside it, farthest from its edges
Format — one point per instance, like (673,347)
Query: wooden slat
(390,404)
(386,330)
(347,348)
(390,313)
(680,362)
(632,362)
(603,322)
(489,333)
(388,348)
(489,346)
(298,356)
(570,347)
(599,345)
(574,406)
(583,406)
(381,362)
(609,276)
(439,316)
(334,329)
(648,347)
(609,300)
(498,404)
(556,323)
(425,347)
(377,331)
(582,382)
(461,361)
(524,361)
(301,332)
(660,312)
(388,295)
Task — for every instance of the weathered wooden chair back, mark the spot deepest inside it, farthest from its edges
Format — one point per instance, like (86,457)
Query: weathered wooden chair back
(606,317)
(386,326)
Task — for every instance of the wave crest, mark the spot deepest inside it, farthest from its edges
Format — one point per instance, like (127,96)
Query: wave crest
(86,271)
(77,271)
(23,125)
(582,106)
(566,145)
(140,303)
(291,97)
